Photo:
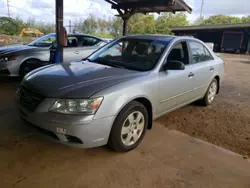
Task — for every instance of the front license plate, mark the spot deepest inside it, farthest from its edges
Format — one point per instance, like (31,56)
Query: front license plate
(61,130)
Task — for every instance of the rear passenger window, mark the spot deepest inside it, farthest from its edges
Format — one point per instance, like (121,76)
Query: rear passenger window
(208,56)
(199,52)
(88,41)
(72,42)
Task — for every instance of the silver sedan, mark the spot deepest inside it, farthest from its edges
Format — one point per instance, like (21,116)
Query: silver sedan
(18,60)
(113,96)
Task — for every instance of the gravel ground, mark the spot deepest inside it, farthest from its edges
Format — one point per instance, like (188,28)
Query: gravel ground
(226,122)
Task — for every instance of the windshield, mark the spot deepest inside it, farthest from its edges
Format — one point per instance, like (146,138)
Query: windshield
(130,53)
(44,41)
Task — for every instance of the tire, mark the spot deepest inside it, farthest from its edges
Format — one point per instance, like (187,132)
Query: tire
(28,66)
(210,94)
(133,132)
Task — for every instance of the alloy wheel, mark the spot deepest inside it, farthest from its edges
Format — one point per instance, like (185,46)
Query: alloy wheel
(132,128)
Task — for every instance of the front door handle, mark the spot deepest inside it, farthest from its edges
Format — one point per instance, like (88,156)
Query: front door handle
(211,69)
(191,74)
(76,52)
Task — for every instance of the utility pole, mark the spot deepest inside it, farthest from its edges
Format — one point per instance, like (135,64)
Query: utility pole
(202,4)
(69,26)
(59,27)
(8,6)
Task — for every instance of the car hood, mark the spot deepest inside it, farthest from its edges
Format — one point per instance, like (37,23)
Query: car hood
(15,48)
(76,80)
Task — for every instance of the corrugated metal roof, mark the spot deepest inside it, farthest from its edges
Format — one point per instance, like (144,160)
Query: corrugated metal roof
(201,27)
(146,6)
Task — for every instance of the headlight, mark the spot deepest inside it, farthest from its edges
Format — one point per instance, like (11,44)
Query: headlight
(7,58)
(76,106)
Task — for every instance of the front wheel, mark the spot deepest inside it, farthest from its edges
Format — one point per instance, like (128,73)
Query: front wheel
(129,127)
(28,66)
(210,94)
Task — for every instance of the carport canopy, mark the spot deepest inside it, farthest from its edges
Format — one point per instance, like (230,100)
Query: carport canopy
(126,8)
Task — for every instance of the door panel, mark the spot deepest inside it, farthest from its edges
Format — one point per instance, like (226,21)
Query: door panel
(69,53)
(203,67)
(201,79)
(86,51)
(175,89)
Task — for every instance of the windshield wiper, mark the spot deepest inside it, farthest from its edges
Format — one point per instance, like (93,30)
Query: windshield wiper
(111,64)
(105,62)
(87,59)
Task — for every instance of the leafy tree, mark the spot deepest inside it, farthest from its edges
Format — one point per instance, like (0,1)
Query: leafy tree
(115,27)
(245,19)
(89,25)
(136,24)
(222,19)
(11,26)
(167,20)
(199,21)
(42,26)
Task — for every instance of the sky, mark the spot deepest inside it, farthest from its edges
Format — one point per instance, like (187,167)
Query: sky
(44,10)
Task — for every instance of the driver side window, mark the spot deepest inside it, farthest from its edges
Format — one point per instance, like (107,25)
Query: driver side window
(179,53)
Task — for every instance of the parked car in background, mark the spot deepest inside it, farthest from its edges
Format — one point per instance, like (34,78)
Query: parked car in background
(113,96)
(19,60)
(108,39)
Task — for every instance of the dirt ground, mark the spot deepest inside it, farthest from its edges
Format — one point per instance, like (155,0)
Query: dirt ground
(162,160)
(227,122)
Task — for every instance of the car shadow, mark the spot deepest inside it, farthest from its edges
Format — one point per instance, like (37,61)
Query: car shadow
(10,79)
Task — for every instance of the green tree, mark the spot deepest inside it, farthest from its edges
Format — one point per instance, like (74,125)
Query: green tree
(222,19)
(41,26)
(167,20)
(89,25)
(115,27)
(199,21)
(10,26)
(245,19)
(136,24)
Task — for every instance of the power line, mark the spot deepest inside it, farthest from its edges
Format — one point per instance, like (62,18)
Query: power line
(202,4)
(8,6)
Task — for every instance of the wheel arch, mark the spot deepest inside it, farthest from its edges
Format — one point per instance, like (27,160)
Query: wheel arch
(148,105)
(26,60)
(218,81)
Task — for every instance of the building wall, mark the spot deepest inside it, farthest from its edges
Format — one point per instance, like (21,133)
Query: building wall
(216,35)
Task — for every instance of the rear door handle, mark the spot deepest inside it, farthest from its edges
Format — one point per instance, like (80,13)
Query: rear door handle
(76,52)
(191,74)
(211,69)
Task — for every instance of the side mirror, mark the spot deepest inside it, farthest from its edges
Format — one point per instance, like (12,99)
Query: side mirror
(174,65)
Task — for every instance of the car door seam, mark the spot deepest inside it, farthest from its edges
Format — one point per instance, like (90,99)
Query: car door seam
(165,100)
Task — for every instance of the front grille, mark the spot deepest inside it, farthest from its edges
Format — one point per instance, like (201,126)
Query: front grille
(29,99)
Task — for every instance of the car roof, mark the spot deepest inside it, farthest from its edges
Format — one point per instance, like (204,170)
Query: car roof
(86,35)
(160,37)
(152,37)
(77,34)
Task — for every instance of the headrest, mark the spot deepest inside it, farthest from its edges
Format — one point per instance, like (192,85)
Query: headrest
(141,49)
(175,54)
(74,42)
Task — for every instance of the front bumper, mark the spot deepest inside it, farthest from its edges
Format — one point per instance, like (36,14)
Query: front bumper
(73,130)
(9,68)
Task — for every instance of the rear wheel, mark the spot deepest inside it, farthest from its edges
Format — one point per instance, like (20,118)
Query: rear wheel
(129,127)
(210,94)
